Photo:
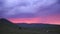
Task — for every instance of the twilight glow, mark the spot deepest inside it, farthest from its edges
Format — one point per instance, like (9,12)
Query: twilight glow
(44,20)
(31,11)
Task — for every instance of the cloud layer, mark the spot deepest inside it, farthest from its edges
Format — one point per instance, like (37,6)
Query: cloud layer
(30,8)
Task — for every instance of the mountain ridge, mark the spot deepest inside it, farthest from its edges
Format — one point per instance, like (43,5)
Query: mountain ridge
(7,26)
(7,23)
(38,24)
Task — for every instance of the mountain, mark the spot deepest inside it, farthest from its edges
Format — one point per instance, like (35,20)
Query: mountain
(40,26)
(7,27)
(6,22)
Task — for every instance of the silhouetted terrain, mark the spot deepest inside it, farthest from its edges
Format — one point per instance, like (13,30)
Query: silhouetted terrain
(38,25)
(46,27)
(7,27)
(6,22)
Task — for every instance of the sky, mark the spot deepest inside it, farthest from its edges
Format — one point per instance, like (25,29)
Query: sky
(31,11)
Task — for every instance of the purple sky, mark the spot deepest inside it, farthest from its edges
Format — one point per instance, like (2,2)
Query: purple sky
(29,9)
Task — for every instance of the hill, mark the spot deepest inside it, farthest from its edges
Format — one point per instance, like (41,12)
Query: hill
(6,22)
(38,25)
(7,27)
(41,27)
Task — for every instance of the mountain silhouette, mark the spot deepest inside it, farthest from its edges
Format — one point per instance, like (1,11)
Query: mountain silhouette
(40,26)
(7,26)
(6,22)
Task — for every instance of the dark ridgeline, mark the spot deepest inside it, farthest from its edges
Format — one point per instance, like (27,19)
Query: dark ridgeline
(8,23)
(42,27)
(7,26)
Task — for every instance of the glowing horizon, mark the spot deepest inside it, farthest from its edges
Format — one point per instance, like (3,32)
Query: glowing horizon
(46,20)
